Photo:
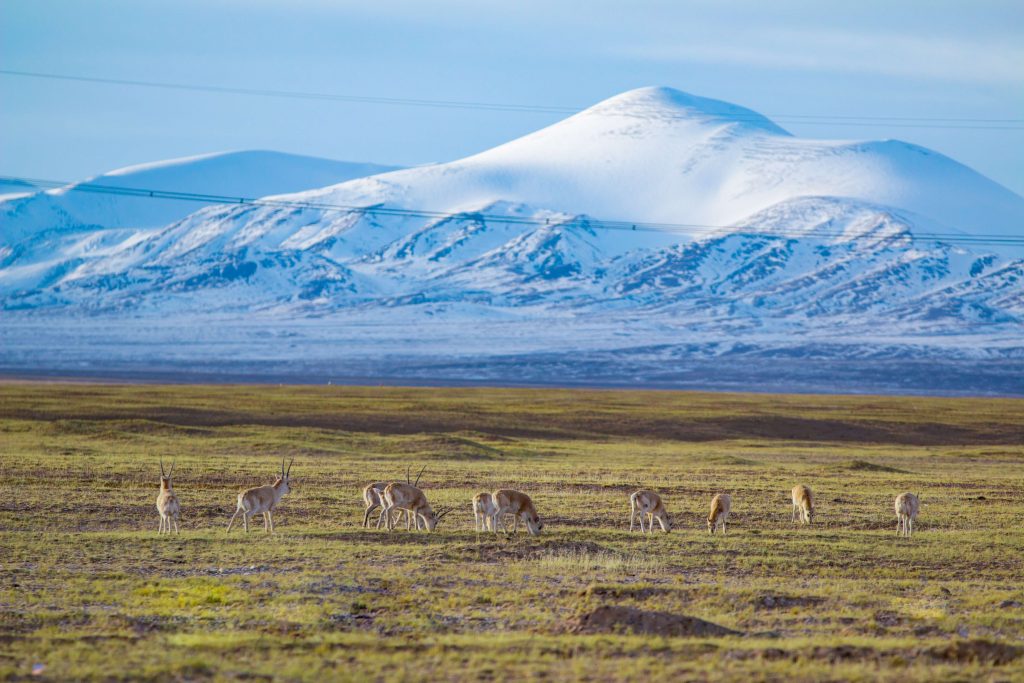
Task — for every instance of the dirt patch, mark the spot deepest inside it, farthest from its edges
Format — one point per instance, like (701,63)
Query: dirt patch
(844,653)
(865,466)
(622,592)
(887,619)
(616,619)
(786,601)
(980,651)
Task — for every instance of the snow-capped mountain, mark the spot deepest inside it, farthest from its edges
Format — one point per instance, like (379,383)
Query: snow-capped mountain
(653,219)
(46,233)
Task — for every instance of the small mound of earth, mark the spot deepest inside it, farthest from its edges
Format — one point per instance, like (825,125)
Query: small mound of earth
(616,619)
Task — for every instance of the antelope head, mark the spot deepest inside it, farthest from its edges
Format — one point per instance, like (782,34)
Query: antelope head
(283,483)
(165,477)
(533,524)
(435,517)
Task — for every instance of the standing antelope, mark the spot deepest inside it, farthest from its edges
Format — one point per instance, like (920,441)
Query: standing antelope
(407,497)
(371,497)
(907,505)
(648,505)
(721,504)
(167,502)
(803,504)
(509,502)
(262,499)
(483,511)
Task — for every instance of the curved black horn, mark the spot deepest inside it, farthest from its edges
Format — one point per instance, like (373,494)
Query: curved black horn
(282,468)
(170,471)
(162,469)
(289,472)
(408,479)
(419,475)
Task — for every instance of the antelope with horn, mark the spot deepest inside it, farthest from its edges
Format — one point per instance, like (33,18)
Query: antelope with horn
(803,504)
(373,498)
(648,505)
(721,505)
(262,499)
(907,506)
(509,502)
(399,496)
(483,511)
(167,502)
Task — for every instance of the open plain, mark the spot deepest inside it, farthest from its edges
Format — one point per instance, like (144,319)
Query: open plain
(88,590)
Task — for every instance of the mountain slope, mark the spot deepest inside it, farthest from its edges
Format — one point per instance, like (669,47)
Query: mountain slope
(46,232)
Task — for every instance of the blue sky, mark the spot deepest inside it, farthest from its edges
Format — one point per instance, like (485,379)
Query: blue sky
(893,59)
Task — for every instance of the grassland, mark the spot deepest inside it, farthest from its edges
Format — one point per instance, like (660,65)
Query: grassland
(89,591)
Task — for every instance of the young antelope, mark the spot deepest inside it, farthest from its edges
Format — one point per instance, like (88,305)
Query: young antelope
(907,505)
(648,505)
(483,511)
(803,504)
(262,499)
(509,502)
(167,502)
(721,504)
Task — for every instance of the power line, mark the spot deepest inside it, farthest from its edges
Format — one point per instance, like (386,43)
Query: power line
(804,119)
(380,210)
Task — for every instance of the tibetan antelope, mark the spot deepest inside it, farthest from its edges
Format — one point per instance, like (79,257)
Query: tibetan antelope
(721,505)
(483,511)
(399,496)
(262,499)
(907,505)
(803,504)
(167,502)
(648,505)
(373,498)
(509,502)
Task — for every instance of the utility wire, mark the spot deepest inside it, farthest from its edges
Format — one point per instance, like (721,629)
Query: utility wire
(381,210)
(805,119)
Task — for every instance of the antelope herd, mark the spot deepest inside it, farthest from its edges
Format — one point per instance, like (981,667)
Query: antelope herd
(489,509)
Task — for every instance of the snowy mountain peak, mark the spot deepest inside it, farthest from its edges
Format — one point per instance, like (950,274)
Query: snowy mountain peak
(659,103)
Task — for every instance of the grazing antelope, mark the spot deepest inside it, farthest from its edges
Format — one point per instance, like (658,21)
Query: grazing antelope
(803,504)
(373,498)
(167,502)
(262,499)
(648,505)
(907,505)
(483,511)
(509,502)
(721,504)
(407,497)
